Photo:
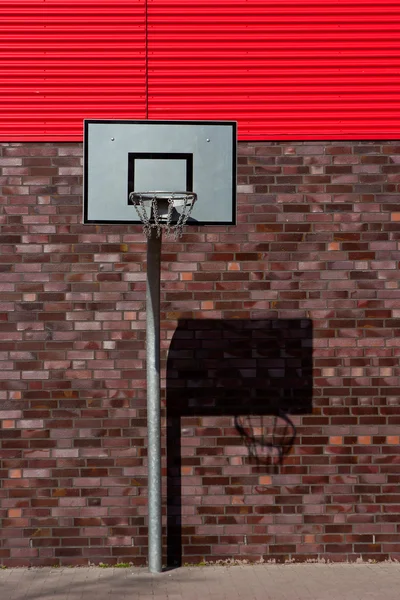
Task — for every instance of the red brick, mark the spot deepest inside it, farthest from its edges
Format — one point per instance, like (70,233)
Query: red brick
(72,395)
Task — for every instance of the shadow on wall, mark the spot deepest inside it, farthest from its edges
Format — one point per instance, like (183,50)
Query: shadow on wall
(257,372)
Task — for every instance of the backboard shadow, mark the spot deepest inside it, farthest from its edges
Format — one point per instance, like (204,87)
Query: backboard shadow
(258,372)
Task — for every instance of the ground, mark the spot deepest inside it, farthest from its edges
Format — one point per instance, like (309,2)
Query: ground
(379,581)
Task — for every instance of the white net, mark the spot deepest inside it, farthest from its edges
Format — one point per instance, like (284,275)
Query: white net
(166,212)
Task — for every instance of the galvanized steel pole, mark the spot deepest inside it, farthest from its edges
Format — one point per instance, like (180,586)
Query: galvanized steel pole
(153,400)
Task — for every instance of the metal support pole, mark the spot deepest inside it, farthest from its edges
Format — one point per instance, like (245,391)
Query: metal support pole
(153,400)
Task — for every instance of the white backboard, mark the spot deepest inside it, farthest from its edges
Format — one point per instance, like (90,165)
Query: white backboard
(141,156)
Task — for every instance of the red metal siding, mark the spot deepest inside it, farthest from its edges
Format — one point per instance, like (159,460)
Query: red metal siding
(65,60)
(285,69)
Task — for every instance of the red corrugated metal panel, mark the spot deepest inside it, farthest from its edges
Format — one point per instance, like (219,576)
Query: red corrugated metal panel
(65,60)
(284,69)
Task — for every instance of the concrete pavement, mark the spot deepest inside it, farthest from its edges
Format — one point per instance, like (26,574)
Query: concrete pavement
(379,581)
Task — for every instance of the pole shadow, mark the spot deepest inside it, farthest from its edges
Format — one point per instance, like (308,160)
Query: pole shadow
(258,372)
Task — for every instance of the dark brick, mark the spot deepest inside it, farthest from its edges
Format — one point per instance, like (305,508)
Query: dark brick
(316,246)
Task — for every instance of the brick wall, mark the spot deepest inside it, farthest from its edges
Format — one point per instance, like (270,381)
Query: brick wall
(282,379)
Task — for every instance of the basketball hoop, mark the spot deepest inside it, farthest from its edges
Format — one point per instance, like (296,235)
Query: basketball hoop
(163,211)
(123,157)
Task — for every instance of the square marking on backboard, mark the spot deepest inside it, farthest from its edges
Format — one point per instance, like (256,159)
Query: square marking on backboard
(125,156)
(172,169)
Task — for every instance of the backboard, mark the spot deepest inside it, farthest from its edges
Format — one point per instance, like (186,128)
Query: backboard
(125,156)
